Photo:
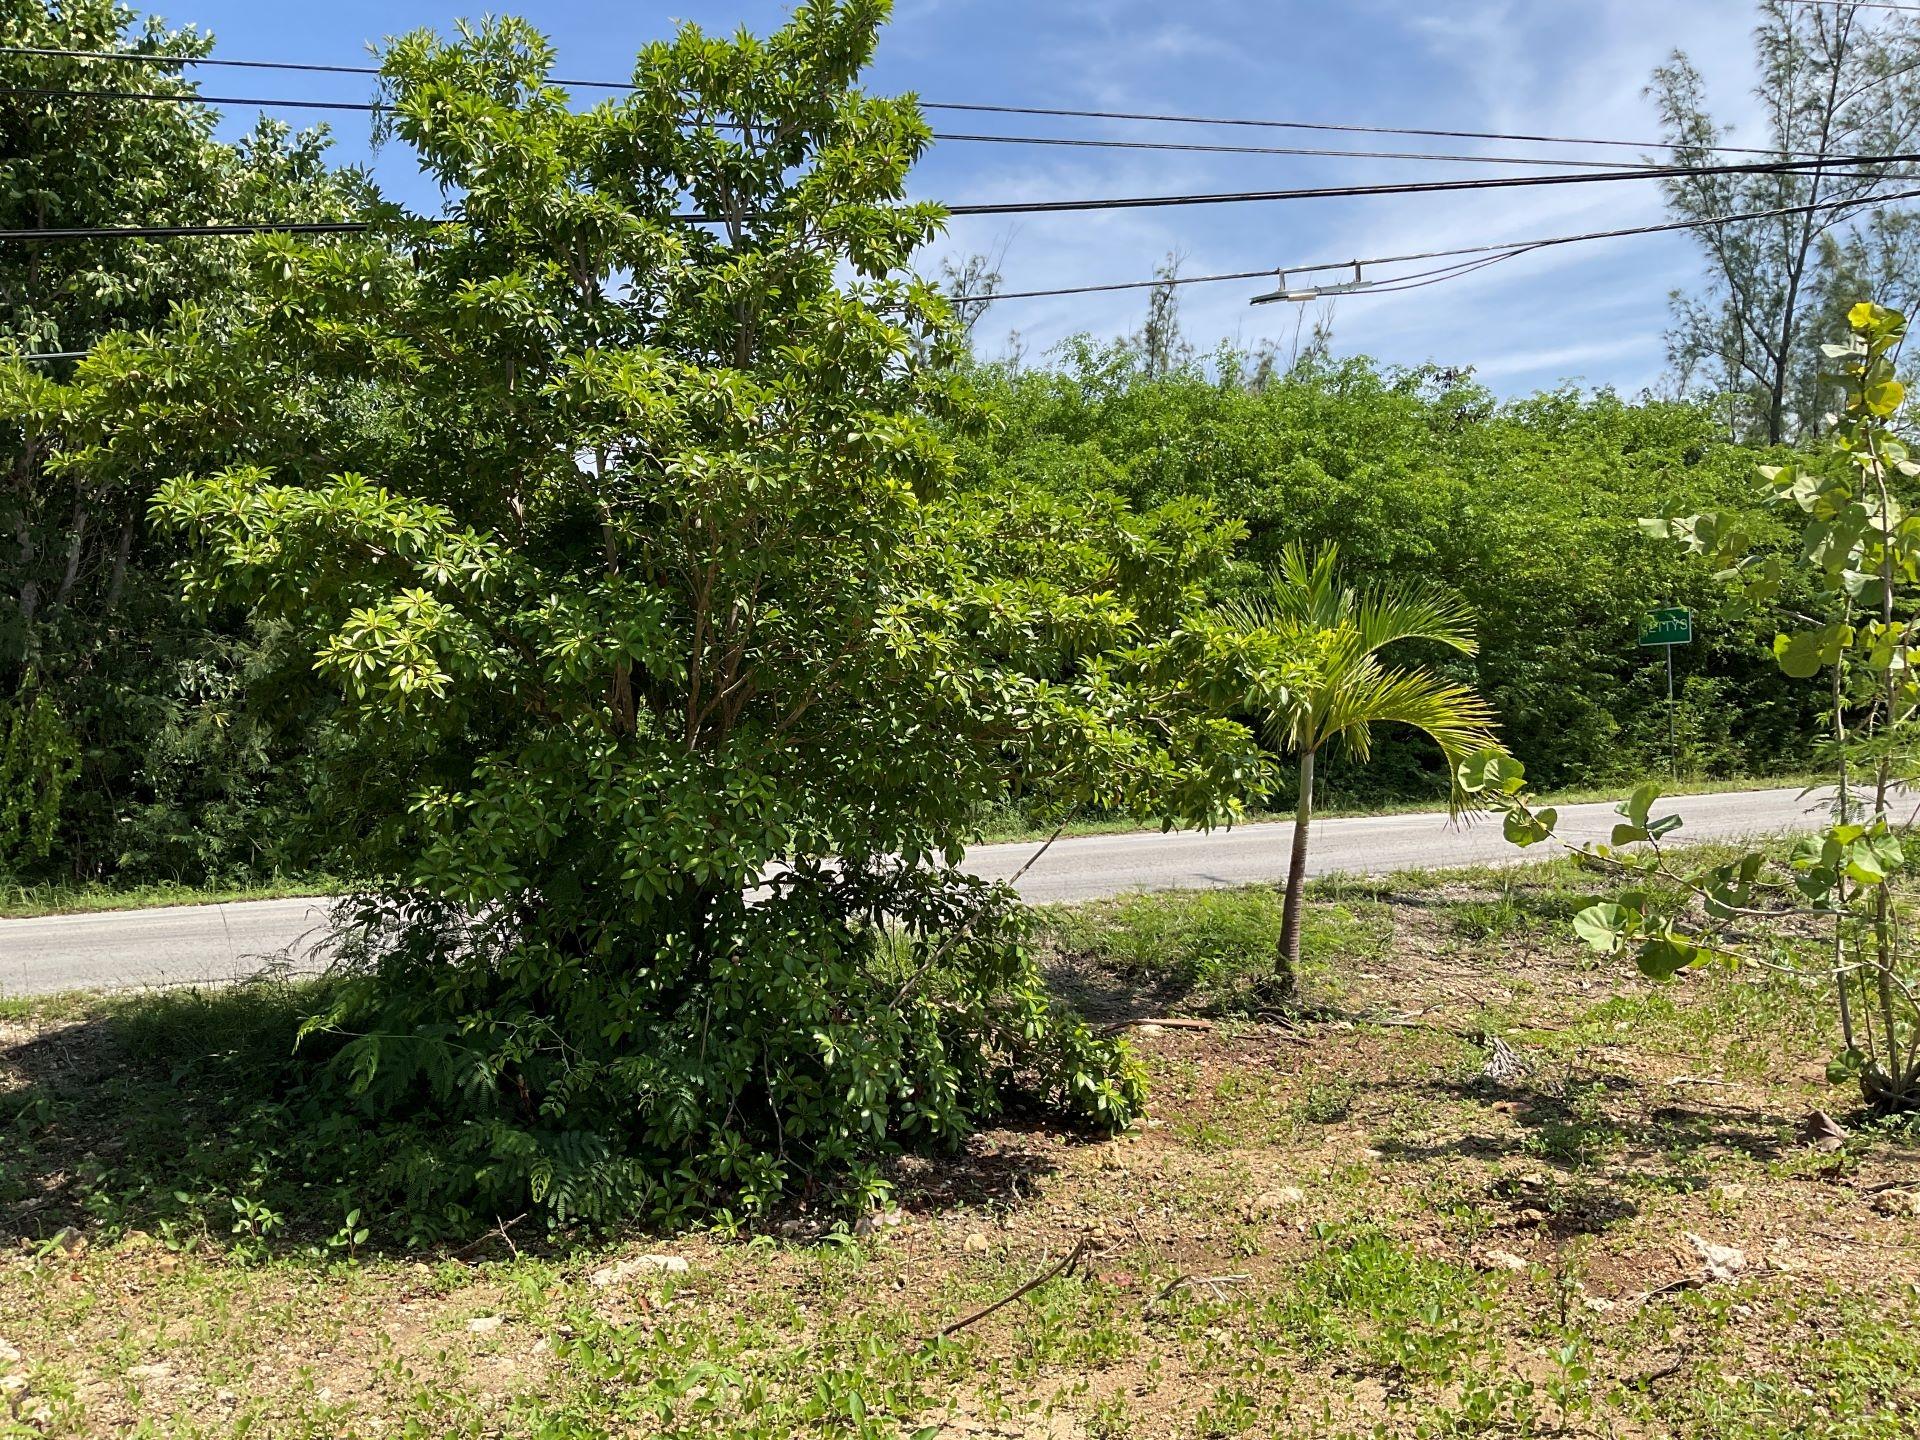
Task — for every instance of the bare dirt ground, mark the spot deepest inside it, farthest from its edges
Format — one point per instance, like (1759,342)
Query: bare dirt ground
(1338,1225)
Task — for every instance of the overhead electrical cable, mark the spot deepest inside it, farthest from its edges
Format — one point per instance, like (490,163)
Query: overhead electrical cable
(1151,117)
(1495,253)
(1075,142)
(1427,187)
(1631,230)
(1118,202)
(1504,250)
(1858,5)
(180,232)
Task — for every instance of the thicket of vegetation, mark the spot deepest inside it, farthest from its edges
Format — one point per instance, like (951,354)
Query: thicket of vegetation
(128,746)
(1523,508)
(146,740)
(644,613)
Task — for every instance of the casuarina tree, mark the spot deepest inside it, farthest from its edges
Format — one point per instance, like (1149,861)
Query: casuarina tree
(614,505)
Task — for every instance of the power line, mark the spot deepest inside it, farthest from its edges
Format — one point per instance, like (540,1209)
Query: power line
(1423,187)
(1504,251)
(1521,246)
(141,58)
(1858,5)
(1055,207)
(1496,254)
(175,232)
(1212,149)
(1170,119)
(370,107)
(188,97)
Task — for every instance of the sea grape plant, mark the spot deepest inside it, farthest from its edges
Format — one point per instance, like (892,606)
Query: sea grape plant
(1831,907)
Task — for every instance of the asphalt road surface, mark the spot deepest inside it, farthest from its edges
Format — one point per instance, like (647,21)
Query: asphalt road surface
(200,944)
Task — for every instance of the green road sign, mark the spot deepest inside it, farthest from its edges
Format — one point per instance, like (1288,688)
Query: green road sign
(1668,627)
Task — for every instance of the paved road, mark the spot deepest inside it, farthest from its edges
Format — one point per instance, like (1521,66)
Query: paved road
(195,944)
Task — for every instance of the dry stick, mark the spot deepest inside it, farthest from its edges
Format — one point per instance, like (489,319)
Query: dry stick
(1073,1258)
(1664,1372)
(1182,1282)
(1167,1023)
(499,1232)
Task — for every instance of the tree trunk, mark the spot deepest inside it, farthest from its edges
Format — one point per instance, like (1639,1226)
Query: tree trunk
(1286,967)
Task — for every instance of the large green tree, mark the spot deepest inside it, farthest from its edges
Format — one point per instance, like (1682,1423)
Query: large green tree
(617,509)
(111,696)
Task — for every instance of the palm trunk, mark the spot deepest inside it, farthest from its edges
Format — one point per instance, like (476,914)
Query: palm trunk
(1287,961)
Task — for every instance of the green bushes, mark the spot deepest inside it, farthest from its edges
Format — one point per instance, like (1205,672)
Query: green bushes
(784,1042)
(1525,509)
(636,582)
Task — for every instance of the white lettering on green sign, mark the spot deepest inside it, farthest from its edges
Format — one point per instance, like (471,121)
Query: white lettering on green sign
(1668,627)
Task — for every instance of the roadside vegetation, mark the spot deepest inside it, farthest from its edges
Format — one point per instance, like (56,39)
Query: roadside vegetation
(22,901)
(1334,1225)
(556,568)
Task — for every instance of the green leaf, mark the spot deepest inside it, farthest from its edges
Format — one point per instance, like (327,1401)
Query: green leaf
(1863,865)
(1490,769)
(1804,655)
(1525,828)
(1605,926)
(1885,397)
(1664,956)
(1845,1068)
(1637,805)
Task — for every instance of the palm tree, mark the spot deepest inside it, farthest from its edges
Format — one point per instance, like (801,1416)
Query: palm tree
(1335,632)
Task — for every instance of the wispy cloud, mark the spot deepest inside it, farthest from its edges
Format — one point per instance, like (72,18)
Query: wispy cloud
(1504,65)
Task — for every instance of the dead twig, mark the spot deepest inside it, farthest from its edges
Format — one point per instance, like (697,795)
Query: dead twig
(1073,1257)
(1662,1372)
(1690,1282)
(1215,1283)
(499,1232)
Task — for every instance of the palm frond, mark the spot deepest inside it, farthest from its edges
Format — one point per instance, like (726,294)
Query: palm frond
(1306,588)
(1252,612)
(1414,610)
(1451,714)
(1336,632)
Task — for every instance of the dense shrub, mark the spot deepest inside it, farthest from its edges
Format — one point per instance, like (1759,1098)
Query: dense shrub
(669,663)
(1525,508)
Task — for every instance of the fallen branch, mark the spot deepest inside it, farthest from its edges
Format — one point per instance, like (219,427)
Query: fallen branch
(1165,1024)
(499,1232)
(1073,1258)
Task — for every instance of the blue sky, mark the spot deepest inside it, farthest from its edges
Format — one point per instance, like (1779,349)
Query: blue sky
(1593,314)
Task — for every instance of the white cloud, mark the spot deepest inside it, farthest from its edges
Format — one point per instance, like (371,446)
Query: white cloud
(1495,65)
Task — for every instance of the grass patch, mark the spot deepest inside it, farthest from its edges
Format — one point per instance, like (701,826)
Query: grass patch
(1213,949)
(25,901)
(1340,1231)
